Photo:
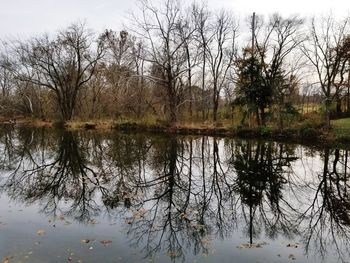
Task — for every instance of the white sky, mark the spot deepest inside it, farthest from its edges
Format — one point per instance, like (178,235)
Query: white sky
(23,18)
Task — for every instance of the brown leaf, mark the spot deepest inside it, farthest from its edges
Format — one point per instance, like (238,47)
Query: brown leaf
(86,241)
(93,222)
(105,242)
(293,245)
(6,260)
(41,232)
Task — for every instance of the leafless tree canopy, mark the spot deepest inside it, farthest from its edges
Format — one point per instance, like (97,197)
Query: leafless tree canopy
(175,62)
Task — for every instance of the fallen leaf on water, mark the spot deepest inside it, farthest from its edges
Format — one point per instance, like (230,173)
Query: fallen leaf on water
(41,232)
(93,222)
(86,241)
(139,213)
(6,260)
(293,245)
(105,242)
(253,245)
(183,216)
(171,254)
(128,221)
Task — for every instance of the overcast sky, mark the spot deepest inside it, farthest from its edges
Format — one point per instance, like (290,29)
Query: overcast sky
(23,18)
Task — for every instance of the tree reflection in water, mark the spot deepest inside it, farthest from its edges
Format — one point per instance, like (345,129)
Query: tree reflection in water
(176,194)
(326,219)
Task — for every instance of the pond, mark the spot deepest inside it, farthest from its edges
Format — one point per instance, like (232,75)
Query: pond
(89,196)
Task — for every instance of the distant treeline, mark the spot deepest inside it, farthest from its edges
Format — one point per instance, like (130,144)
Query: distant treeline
(181,63)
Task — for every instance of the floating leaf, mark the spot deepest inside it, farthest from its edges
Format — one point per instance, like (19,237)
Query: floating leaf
(105,242)
(85,241)
(6,260)
(171,254)
(183,216)
(253,245)
(293,245)
(41,232)
(93,222)
(139,213)
(128,221)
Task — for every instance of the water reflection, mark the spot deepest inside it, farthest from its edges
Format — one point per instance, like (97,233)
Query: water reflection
(177,194)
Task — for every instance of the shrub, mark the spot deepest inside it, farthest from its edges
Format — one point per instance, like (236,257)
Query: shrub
(308,133)
(264,131)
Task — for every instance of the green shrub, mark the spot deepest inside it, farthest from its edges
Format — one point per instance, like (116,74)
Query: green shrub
(312,122)
(264,131)
(308,133)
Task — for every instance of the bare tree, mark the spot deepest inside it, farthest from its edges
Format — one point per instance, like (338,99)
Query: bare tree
(159,29)
(220,54)
(63,65)
(6,82)
(325,55)
(185,28)
(201,17)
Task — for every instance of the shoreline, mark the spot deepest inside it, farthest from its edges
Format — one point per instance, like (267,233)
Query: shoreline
(308,136)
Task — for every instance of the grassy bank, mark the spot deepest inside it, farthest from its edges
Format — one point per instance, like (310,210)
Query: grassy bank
(341,129)
(308,131)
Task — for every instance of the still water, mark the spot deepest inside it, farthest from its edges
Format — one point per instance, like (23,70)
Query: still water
(114,197)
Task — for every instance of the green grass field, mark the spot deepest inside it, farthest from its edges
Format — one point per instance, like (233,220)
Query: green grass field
(341,128)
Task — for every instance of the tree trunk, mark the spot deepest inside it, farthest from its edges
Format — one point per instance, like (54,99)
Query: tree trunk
(172,106)
(348,98)
(328,113)
(262,110)
(257,116)
(215,105)
(338,102)
(203,86)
